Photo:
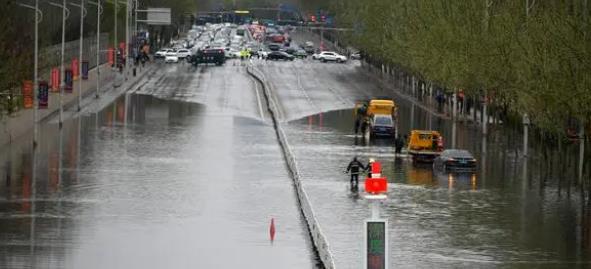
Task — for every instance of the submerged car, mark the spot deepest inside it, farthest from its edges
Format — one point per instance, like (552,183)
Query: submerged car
(382,126)
(455,160)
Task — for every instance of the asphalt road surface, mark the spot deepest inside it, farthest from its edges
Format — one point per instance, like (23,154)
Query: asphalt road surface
(183,173)
(509,214)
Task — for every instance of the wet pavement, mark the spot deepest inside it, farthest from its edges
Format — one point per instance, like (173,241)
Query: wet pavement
(186,172)
(155,182)
(503,216)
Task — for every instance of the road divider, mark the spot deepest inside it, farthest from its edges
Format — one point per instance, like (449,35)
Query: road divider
(318,238)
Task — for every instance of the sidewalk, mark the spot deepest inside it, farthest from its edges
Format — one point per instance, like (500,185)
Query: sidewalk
(21,122)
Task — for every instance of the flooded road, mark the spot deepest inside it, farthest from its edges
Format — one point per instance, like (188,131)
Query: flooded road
(150,182)
(185,172)
(509,214)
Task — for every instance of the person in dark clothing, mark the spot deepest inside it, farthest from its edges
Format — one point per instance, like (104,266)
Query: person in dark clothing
(398,145)
(355,167)
(440,100)
(364,126)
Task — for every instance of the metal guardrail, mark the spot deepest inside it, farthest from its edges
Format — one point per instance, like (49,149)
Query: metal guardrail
(318,237)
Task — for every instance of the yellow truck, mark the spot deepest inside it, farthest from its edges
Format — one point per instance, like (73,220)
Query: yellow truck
(377,117)
(424,146)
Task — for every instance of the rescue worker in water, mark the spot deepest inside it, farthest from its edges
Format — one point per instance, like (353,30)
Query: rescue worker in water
(355,168)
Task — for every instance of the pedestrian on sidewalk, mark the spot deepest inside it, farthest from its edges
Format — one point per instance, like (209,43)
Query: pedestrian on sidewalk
(461,100)
(440,100)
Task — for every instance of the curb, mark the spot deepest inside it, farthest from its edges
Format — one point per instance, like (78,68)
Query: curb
(318,237)
(110,87)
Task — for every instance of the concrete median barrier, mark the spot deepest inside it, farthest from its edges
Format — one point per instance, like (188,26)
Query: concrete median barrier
(318,237)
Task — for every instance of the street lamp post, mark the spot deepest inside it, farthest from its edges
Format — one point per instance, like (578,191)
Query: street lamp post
(38,18)
(82,15)
(126,39)
(65,15)
(116,5)
(99,11)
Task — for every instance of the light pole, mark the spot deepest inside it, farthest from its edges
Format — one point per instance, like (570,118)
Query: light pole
(82,15)
(99,11)
(65,15)
(38,18)
(126,39)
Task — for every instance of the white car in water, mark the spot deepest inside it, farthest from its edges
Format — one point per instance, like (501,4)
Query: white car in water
(171,57)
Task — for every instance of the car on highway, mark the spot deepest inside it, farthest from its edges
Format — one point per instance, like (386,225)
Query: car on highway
(455,160)
(183,53)
(326,56)
(171,57)
(274,47)
(161,53)
(300,53)
(211,55)
(280,55)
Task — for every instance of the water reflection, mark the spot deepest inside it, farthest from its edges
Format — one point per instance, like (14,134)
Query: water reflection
(39,195)
(508,211)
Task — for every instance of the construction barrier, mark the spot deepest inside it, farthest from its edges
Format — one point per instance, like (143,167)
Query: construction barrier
(111,56)
(43,95)
(55,79)
(85,70)
(74,68)
(69,80)
(27,92)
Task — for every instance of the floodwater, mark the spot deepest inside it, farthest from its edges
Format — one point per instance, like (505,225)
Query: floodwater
(149,183)
(508,214)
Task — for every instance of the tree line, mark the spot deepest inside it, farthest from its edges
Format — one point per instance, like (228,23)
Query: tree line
(17,36)
(534,56)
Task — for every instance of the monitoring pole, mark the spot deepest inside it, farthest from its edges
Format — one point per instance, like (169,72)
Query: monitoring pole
(376,228)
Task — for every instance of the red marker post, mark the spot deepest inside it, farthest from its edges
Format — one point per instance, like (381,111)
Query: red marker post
(272,230)
(376,228)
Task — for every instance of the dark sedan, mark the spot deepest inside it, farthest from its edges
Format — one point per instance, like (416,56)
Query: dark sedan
(455,160)
(382,125)
(280,55)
